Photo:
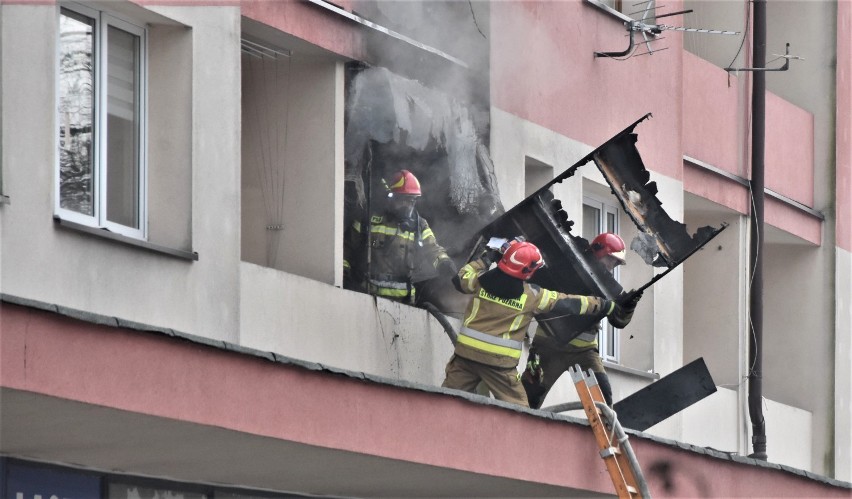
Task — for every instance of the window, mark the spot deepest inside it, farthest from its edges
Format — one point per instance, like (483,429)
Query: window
(101,137)
(600,216)
(616,7)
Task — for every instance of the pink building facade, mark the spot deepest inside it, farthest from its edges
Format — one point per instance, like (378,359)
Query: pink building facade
(213,352)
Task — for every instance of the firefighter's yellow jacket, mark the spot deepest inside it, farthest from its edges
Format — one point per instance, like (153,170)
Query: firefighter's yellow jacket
(397,250)
(493,329)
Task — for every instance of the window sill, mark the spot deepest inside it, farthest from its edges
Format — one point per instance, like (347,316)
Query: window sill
(184,255)
(629,370)
(5,200)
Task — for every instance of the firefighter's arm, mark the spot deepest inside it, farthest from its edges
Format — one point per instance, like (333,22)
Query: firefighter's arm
(467,280)
(565,304)
(434,252)
(623,313)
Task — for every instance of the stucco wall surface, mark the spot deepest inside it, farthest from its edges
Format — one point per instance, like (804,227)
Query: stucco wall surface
(313,24)
(844,125)
(716,188)
(795,372)
(712,132)
(543,70)
(711,109)
(789,158)
(316,322)
(843,367)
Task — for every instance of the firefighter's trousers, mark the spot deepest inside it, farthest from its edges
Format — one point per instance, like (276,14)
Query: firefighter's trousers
(504,383)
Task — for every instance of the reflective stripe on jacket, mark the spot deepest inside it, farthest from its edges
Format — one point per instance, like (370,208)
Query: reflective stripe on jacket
(488,343)
(505,320)
(396,252)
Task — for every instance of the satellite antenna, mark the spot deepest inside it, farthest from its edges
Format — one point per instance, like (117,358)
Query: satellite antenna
(651,31)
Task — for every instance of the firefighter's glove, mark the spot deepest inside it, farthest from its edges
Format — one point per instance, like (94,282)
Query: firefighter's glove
(534,374)
(631,303)
(613,308)
(446,268)
(490,256)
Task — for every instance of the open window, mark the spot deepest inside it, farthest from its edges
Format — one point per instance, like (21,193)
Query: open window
(101,175)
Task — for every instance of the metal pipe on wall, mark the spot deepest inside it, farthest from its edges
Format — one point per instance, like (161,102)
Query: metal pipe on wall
(758,134)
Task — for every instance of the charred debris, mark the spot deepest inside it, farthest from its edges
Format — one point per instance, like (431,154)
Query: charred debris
(392,123)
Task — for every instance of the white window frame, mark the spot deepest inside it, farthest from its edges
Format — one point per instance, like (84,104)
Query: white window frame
(103,21)
(613,8)
(606,208)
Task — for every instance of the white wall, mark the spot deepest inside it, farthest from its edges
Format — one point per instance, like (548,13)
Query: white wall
(798,343)
(309,320)
(712,422)
(789,436)
(843,367)
(715,297)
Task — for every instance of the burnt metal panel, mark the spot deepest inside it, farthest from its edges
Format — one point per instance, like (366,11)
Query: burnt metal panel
(670,243)
(666,397)
(570,266)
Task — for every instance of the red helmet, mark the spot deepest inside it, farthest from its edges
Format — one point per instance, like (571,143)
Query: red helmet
(404,182)
(521,260)
(609,244)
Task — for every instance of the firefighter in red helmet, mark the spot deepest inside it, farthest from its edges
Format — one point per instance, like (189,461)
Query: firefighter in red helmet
(400,241)
(489,344)
(550,356)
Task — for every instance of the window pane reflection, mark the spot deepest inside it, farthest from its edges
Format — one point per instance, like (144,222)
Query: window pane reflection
(76,112)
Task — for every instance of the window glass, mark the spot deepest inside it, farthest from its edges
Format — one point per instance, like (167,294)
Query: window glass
(598,217)
(591,221)
(124,491)
(122,128)
(76,112)
(614,4)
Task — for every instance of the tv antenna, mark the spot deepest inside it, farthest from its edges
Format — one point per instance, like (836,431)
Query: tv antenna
(784,67)
(651,31)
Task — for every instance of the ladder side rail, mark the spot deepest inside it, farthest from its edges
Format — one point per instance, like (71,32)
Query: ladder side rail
(632,463)
(630,468)
(601,437)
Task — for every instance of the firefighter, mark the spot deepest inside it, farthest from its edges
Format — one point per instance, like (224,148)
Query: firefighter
(549,356)
(400,240)
(489,344)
